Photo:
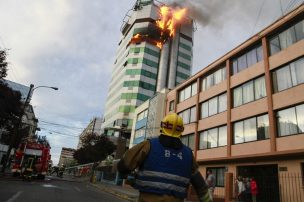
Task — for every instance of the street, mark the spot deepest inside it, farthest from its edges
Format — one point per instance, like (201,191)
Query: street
(51,190)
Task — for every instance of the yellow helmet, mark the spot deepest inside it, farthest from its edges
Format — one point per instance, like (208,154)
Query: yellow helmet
(172,125)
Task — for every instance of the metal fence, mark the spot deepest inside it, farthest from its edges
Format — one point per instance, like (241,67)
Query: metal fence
(284,187)
(291,187)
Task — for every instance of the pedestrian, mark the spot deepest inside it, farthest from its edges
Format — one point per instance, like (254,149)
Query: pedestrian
(247,193)
(165,166)
(211,183)
(240,188)
(254,189)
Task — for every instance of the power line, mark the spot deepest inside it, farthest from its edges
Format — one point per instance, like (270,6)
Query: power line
(62,125)
(59,133)
(258,16)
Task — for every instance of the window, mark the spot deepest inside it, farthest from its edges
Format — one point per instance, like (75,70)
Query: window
(188,140)
(286,38)
(215,137)
(289,75)
(188,92)
(249,91)
(171,105)
(256,128)
(214,106)
(188,115)
(219,174)
(248,59)
(139,133)
(142,115)
(214,78)
(291,121)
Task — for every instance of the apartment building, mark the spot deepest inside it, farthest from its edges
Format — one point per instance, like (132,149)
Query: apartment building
(244,113)
(66,156)
(94,127)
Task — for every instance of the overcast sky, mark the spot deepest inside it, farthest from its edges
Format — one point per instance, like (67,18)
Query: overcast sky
(71,44)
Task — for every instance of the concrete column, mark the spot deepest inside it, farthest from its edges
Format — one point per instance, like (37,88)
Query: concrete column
(229,107)
(173,61)
(269,90)
(163,67)
(228,187)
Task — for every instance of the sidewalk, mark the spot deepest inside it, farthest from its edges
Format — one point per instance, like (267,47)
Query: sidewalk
(125,193)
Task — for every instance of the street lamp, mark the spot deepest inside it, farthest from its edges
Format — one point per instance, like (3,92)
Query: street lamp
(15,135)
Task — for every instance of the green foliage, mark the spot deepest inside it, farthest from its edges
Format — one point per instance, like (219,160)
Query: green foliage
(3,64)
(95,148)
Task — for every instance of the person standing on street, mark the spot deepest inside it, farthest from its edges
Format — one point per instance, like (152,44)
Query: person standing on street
(254,189)
(165,166)
(211,183)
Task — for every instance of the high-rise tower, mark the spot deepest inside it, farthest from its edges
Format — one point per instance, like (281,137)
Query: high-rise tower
(149,58)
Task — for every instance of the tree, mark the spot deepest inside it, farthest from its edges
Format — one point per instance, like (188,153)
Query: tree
(3,64)
(95,148)
(10,103)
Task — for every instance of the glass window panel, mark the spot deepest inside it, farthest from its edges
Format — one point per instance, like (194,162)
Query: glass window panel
(209,81)
(224,73)
(234,67)
(193,115)
(274,45)
(287,122)
(217,76)
(204,84)
(237,97)
(242,64)
(187,92)
(300,30)
(300,118)
(220,177)
(259,88)
(203,144)
(205,110)
(222,102)
(248,95)
(250,129)
(213,106)
(238,132)
(182,95)
(287,38)
(184,140)
(194,89)
(297,72)
(263,127)
(186,116)
(212,138)
(191,141)
(251,57)
(222,139)
(283,78)
(259,53)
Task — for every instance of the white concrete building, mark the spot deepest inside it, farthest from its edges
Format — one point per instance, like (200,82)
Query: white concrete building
(142,68)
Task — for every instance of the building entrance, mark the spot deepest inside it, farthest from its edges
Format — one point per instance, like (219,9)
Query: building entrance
(267,180)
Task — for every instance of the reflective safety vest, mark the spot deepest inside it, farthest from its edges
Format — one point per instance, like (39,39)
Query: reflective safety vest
(165,170)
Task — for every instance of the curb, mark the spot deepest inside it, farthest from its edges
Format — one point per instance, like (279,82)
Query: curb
(115,193)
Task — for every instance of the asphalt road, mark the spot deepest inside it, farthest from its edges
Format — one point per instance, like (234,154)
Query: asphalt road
(51,191)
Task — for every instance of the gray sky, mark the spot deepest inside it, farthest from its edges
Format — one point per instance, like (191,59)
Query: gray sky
(71,44)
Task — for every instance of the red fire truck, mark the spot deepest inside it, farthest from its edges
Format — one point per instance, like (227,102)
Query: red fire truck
(32,160)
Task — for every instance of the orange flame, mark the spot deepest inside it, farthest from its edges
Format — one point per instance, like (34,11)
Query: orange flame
(170,18)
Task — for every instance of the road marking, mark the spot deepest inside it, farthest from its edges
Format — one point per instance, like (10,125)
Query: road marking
(14,197)
(77,189)
(48,185)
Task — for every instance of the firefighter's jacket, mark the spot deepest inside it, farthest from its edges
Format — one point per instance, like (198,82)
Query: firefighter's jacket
(165,167)
(165,170)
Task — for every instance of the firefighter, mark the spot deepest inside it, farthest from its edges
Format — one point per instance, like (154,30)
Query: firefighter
(165,166)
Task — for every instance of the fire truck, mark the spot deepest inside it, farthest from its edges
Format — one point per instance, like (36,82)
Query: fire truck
(32,159)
